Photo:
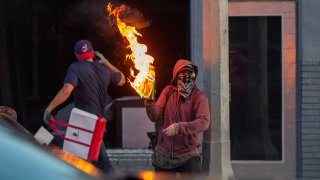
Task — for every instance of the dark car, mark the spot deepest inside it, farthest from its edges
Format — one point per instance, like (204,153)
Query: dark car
(22,157)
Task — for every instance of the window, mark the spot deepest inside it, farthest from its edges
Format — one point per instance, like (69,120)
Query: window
(255,66)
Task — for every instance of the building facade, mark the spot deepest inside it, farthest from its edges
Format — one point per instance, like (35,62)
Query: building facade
(258,61)
(260,64)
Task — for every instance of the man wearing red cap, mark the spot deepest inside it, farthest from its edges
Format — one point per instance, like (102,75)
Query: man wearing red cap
(183,112)
(88,80)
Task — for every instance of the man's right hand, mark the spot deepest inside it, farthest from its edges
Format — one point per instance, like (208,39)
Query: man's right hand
(148,101)
(46,116)
(102,60)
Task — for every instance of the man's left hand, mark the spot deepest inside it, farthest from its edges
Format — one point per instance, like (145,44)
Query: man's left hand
(171,130)
(46,116)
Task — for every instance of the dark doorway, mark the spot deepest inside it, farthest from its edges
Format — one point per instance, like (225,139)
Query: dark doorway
(255,63)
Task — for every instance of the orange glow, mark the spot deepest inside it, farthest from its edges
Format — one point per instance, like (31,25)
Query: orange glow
(75,161)
(146,175)
(145,78)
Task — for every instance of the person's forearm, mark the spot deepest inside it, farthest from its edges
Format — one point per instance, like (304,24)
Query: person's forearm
(112,67)
(61,96)
(153,113)
(115,69)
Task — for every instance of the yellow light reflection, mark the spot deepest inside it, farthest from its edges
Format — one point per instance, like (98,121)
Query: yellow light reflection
(75,161)
(146,175)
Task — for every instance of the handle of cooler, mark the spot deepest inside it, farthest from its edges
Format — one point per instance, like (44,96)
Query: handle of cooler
(67,124)
(57,131)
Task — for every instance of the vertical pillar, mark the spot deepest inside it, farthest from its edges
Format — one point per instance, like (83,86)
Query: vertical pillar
(196,38)
(215,68)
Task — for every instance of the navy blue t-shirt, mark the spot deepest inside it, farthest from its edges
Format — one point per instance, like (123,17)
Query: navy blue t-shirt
(90,81)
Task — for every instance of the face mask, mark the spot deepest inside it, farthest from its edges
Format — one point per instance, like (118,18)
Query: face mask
(185,85)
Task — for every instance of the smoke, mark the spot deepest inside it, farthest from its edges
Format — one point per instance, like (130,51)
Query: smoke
(92,16)
(134,17)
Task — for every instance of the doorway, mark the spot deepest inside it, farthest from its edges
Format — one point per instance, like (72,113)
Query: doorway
(256,86)
(262,63)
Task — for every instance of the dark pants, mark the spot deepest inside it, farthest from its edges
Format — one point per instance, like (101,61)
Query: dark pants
(103,161)
(191,166)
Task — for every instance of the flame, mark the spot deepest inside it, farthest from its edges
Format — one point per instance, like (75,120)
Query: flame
(145,78)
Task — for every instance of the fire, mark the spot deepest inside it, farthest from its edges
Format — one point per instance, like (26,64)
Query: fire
(145,78)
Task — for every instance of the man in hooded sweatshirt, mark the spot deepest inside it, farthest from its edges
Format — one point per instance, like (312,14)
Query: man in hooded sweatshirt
(182,112)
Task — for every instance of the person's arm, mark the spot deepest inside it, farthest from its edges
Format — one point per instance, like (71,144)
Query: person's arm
(155,110)
(199,124)
(112,67)
(61,96)
(202,117)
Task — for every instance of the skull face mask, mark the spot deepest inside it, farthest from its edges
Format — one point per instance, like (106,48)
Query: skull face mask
(185,82)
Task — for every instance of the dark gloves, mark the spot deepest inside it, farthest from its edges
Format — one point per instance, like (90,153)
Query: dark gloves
(46,116)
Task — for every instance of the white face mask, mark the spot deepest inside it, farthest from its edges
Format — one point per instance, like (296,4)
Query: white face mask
(185,85)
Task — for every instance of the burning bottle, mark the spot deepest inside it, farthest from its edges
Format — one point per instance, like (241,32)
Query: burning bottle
(144,79)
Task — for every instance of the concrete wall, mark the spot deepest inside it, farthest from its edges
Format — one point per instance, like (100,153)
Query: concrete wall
(309,55)
(130,160)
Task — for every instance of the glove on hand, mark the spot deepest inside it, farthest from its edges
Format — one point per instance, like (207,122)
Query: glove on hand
(102,60)
(46,116)
(171,130)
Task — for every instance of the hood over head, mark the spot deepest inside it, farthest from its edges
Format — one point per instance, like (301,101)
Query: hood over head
(180,65)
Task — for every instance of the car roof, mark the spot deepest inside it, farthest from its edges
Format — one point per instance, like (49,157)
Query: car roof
(22,158)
